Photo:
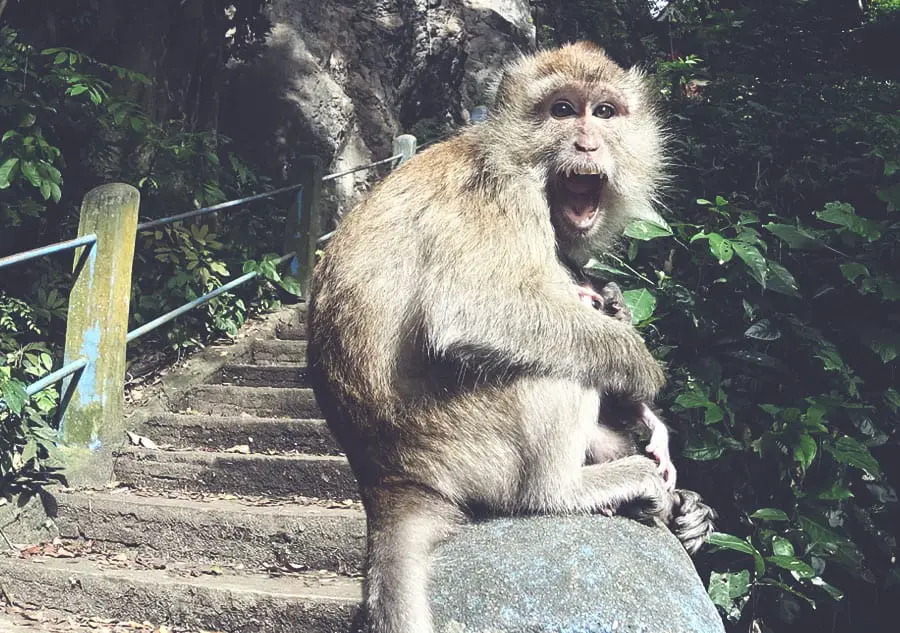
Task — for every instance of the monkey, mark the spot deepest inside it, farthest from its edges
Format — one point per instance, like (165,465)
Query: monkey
(611,439)
(452,361)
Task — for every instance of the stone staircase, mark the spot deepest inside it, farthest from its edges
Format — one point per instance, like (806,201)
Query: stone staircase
(244,519)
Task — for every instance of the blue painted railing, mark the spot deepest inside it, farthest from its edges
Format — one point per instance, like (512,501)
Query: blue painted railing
(96,413)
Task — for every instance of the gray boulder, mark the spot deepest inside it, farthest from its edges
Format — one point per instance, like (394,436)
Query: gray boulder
(578,574)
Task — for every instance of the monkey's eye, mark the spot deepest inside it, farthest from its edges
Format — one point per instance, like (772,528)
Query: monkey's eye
(562,109)
(605,111)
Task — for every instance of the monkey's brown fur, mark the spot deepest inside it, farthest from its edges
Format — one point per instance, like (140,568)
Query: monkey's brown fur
(453,361)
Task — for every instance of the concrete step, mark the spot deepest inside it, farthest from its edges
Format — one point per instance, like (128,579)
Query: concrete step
(311,603)
(292,329)
(221,532)
(290,375)
(222,432)
(325,477)
(275,402)
(275,351)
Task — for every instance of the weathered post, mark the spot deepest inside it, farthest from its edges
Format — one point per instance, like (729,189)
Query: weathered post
(478,114)
(92,424)
(405,145)
(304,222)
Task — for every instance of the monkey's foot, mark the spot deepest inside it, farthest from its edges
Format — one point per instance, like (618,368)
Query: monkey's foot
(693,520)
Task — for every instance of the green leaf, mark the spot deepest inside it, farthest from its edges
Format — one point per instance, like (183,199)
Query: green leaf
(7,172)
(780,280)
(60,58)
(693,399)
(835,493)
(795,237)
(705,202)
(885,343)
(843,214)
(852,270)
(45,189)
(791,563)
(832,591)
(14,394)
(892,399)
(721,248)
(847,450)
(30,451)
(805,451)
(781,546)
(770,514)
(30,171)
(720,201)
(595,265)
(890,196)
(646,230)
(8,135)
(754,260)
(729,541)
(641,302)
(714,413)
(55,192)
(763,330)
(76,90)
(730,591)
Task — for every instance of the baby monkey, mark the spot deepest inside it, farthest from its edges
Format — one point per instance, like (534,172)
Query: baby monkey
(611,437)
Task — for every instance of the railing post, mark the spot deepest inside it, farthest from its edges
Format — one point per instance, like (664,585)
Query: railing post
(478,114)
(92,424)
(404,144)
(304,222)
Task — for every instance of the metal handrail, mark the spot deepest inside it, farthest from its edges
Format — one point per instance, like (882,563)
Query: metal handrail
(353,170)
(143,226)
(51,378)
(88,240)
(56,247)
(190,305)
(149,224)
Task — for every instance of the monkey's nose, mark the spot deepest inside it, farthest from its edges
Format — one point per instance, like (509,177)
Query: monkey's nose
(587,146)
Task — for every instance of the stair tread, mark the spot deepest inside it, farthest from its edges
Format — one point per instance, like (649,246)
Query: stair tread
(124,500)
(312,602)
(182,455)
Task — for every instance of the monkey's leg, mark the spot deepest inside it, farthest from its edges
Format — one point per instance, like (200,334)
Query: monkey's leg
(404,526)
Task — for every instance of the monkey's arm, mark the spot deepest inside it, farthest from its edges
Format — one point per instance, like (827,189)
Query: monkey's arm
(535,323)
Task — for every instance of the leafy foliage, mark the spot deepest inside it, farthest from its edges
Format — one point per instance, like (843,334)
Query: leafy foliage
(776,301)
(64,113)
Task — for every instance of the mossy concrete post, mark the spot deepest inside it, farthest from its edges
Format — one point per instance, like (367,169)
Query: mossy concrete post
(92,423)
(405,144)
(304,222)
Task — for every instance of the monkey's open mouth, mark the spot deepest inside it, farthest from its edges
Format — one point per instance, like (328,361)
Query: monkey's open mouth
(576,197)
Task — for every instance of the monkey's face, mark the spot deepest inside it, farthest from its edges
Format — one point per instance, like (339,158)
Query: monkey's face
(590,129)
(583,120)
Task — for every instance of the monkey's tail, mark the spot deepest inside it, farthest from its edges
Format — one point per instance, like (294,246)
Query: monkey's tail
(404,526)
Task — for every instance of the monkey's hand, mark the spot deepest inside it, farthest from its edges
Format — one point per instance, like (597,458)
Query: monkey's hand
(659,448)
(612,302)
(589,297)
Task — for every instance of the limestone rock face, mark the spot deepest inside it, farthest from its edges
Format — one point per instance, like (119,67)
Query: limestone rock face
(579,574)
(341,78)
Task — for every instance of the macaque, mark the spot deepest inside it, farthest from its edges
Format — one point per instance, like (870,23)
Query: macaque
(452,359)
(611,438)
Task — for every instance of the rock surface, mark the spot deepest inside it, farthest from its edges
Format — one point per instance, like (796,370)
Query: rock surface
(341,78)
(575,574)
